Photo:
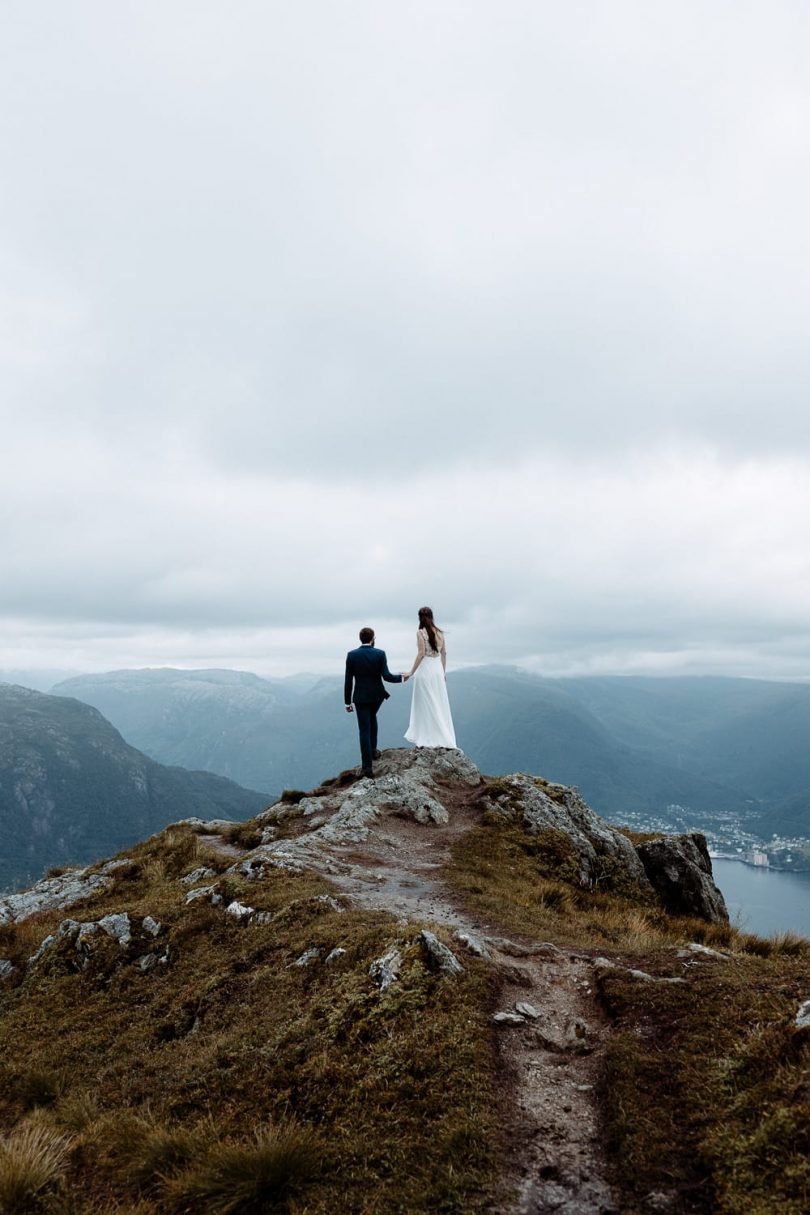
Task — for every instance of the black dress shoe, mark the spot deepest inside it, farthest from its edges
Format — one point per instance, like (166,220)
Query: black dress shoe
(369,772)
(376,754)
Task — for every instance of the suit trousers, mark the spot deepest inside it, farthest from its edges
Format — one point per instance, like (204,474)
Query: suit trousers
(367,727)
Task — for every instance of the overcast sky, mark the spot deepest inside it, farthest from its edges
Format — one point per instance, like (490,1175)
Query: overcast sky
(314,312)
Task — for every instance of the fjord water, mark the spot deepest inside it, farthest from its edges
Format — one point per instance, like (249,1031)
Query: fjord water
(765,901)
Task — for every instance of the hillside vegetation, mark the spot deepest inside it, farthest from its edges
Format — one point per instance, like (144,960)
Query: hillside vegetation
(71,789)
(260,1022)
(149,1077)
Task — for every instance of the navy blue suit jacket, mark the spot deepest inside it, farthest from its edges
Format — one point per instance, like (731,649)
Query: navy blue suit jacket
(366,668)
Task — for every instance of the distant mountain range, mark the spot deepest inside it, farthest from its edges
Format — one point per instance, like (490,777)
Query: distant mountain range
(72,790)
(630,743)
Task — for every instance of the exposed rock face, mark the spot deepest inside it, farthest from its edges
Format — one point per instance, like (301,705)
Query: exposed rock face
(409,784)
(118,927)
(439,957)
(680,871)
(802,1020)
(413,784)
(541,806)
(56,892)
(81,933)
(386,970)
(197,875)
(676,868)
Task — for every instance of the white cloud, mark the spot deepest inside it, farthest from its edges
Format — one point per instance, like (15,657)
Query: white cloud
(675,559)
(313,312)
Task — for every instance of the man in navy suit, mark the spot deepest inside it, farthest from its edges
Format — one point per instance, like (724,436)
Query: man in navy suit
(366,668)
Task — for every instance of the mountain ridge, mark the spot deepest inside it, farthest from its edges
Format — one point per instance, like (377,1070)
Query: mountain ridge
(72,789)
(631,743)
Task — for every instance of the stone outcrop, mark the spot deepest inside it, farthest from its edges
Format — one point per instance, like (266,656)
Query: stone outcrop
(409,784)
(680,871)
(386,970)
(675,868)
(119,927)
(604,967)
(694,951)
(540,806)
(55,893)
(438,956)
(802,1020)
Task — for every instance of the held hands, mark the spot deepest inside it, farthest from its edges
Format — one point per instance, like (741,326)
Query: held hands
(406,676)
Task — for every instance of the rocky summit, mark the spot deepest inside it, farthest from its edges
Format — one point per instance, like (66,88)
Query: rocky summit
(430,991)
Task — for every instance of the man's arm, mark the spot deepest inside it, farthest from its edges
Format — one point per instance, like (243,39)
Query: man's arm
(386,674)
(347,684)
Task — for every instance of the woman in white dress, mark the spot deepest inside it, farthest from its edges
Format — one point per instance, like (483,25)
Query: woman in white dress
(431,723)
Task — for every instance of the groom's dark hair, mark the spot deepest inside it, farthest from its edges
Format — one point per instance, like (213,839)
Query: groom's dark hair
(366,635)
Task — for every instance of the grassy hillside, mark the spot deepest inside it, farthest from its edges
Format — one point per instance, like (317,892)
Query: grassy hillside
(264,734)
(703,1086)
(168,1089)
(228,1076)
(217,721)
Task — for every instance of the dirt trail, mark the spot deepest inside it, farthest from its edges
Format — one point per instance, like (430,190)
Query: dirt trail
(550,1061)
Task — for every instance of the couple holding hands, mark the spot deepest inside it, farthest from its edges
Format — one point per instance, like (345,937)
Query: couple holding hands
(431,723)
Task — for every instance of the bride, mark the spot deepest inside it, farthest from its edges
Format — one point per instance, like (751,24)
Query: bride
(431,723)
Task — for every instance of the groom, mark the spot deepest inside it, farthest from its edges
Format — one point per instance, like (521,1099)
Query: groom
(366,668)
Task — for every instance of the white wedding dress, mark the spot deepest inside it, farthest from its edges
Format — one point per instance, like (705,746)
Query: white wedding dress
(431,723)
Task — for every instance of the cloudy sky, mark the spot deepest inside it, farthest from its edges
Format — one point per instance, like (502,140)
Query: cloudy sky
(312,313)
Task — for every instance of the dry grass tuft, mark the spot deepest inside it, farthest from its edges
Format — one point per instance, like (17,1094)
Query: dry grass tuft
(19,941)
(153,870)
(244,835)
(76,1112)
(149,1151)
(786,944)
(32,1160)
(248,1177)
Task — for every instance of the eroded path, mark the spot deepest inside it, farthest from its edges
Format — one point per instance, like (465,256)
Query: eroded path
(550,1055)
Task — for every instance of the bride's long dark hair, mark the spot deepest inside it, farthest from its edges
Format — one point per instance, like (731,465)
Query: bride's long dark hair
(426,623)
